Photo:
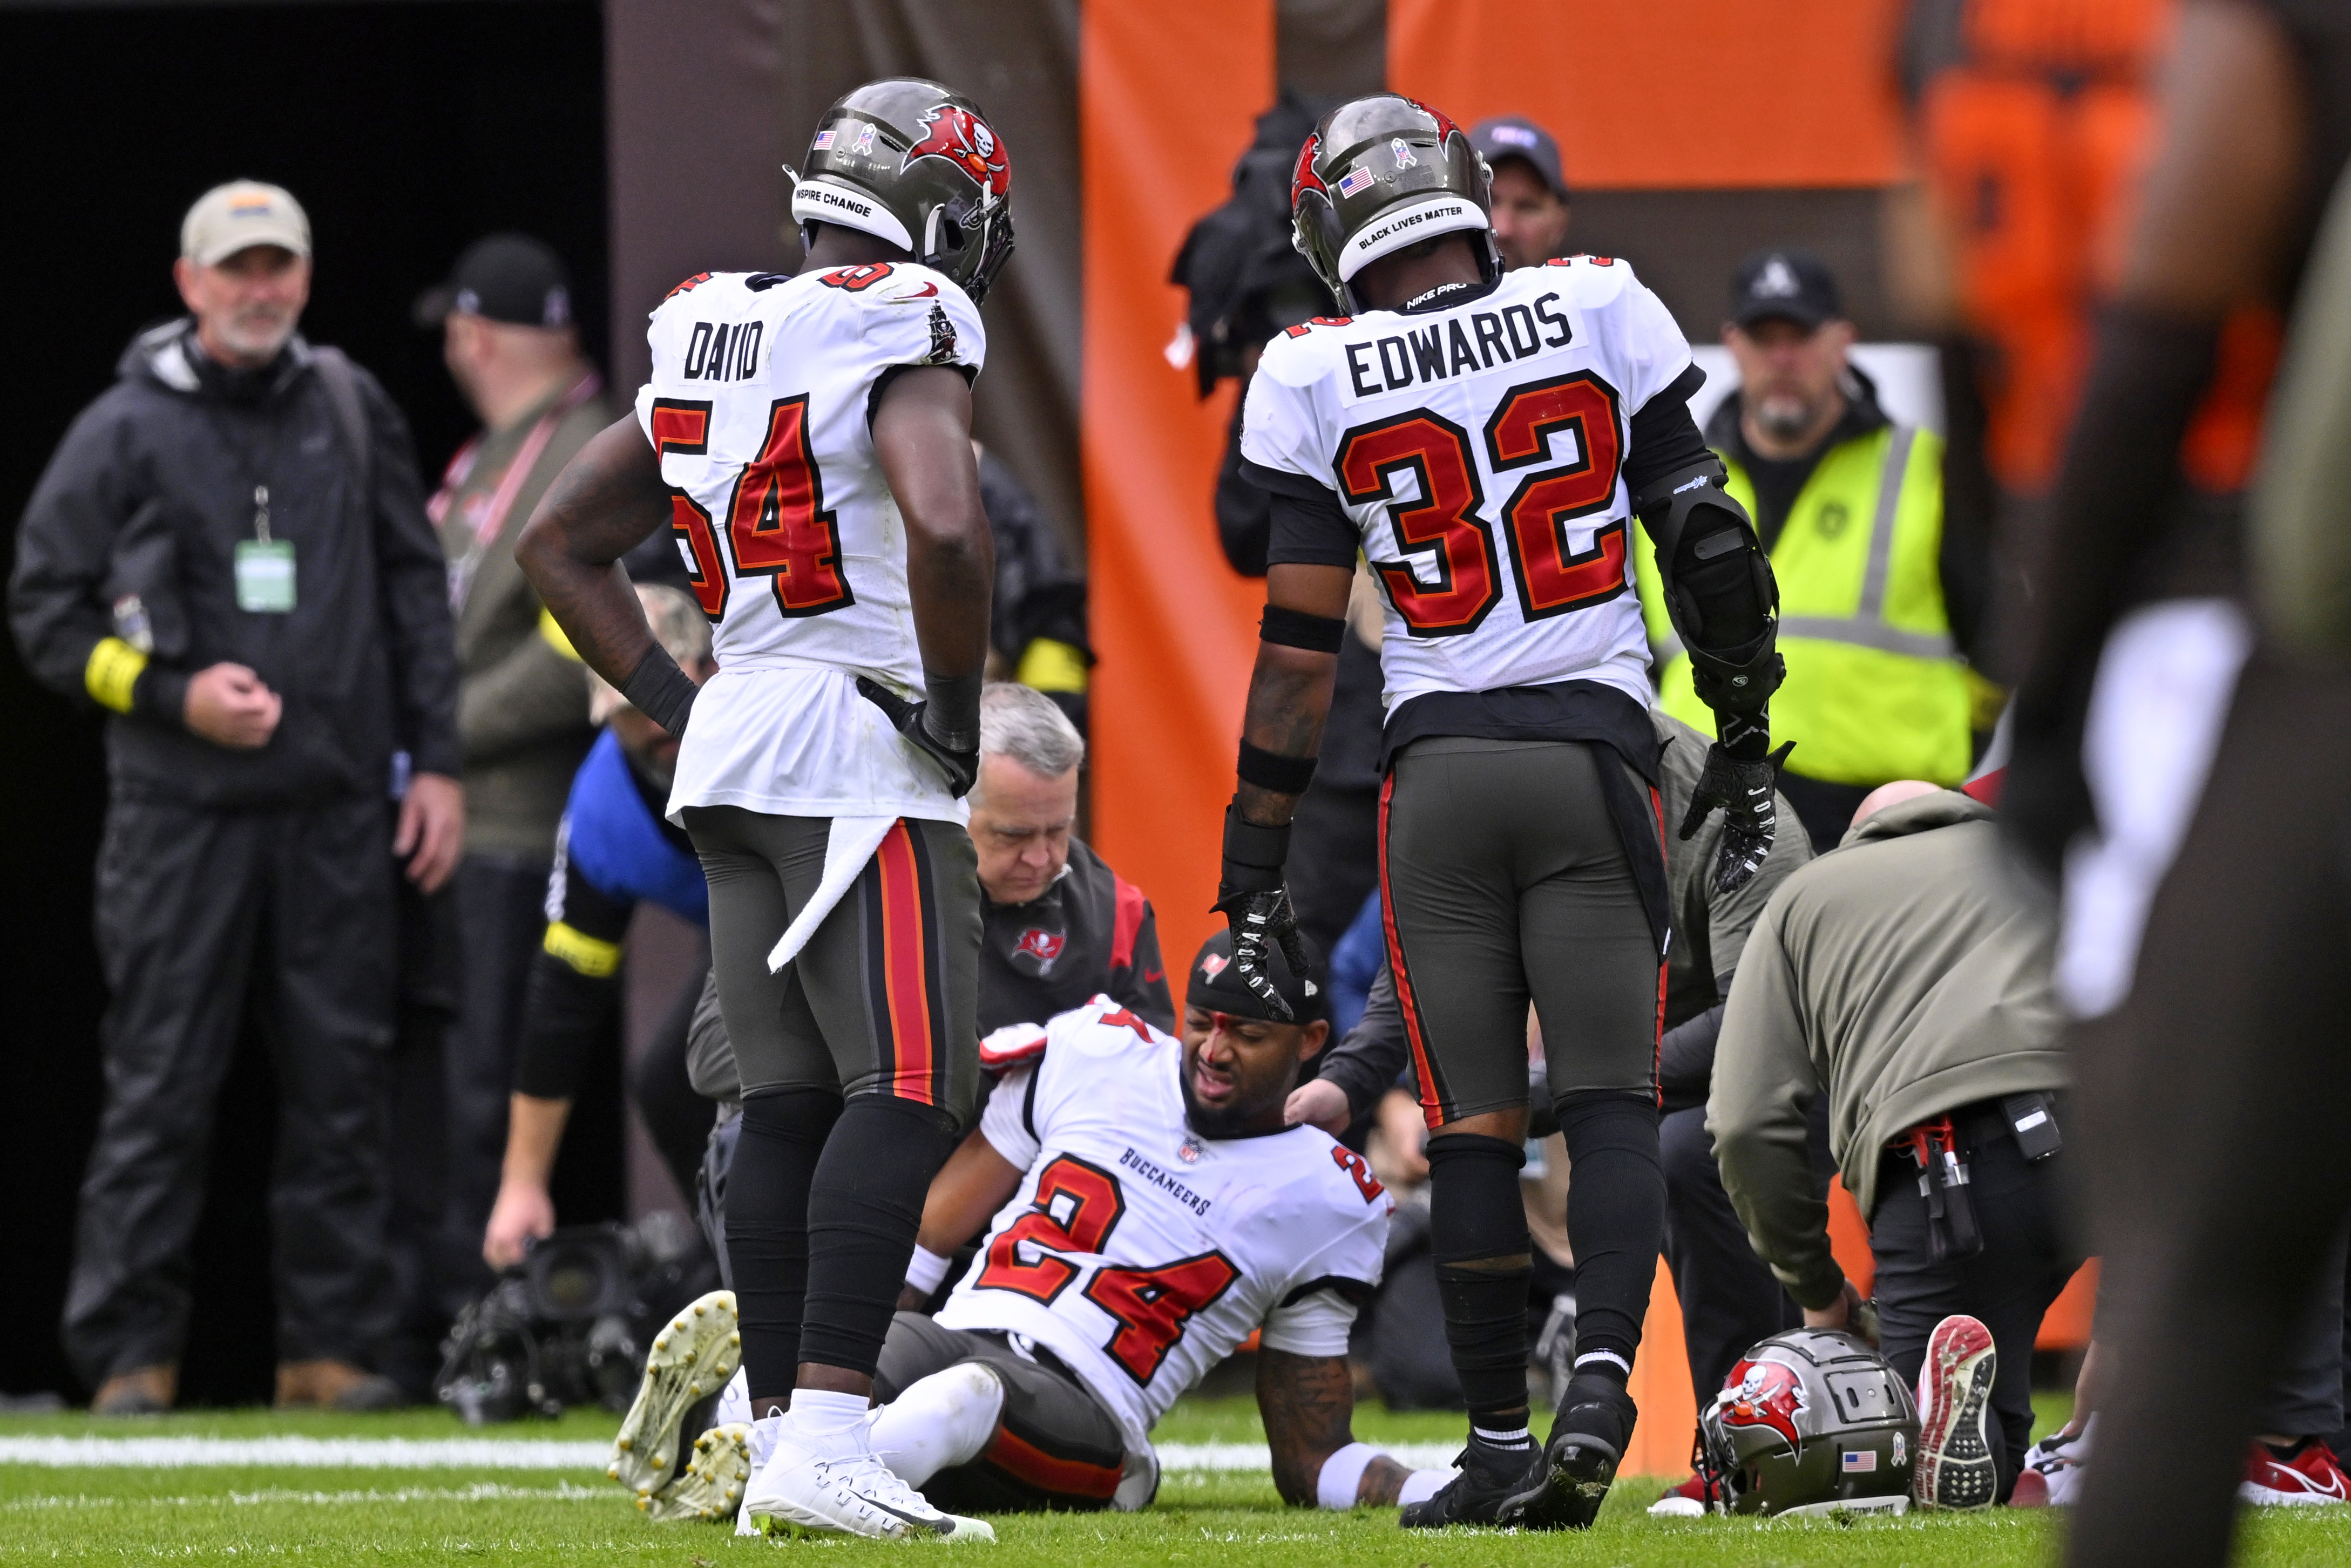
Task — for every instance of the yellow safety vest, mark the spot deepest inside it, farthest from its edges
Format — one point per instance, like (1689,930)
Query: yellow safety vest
(1874,690)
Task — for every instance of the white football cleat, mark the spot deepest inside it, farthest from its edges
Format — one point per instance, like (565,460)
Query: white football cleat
(799,1491)
(712,1485)
(691,1359)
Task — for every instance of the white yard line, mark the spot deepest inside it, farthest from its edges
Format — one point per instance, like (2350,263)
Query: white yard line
(490,1453)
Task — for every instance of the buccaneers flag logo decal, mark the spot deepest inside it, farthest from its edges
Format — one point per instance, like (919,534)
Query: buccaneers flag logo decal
(964,139)
(1042,946)
(1765,1393)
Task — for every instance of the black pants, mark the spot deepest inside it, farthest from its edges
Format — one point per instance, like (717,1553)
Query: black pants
(2213,1103)
(208,920)
(1730,1297)
(501,920)
(2029,1253)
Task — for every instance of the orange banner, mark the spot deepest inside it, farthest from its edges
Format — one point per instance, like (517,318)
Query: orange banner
(1168,99)
(1690,94)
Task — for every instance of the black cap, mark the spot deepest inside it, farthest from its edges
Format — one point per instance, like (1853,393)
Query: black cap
(507,278)
(1216,985)
(1510,136)
(1788,285)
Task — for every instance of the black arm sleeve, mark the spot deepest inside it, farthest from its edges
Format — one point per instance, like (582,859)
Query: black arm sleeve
(575,984)
(1366,1064)
(1665,436)
(1244,509)
(1686,1060)
(1310,527)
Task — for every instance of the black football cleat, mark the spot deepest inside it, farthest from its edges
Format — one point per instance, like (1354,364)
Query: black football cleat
(1587,1439)
(1488,1478)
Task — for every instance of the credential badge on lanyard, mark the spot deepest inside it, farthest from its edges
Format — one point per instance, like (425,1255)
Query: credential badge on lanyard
(265,567)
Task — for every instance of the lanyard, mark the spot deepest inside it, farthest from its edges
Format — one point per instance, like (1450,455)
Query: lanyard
(493,518)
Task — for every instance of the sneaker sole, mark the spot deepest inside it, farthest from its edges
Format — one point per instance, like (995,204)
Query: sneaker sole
(712,1488)
(966,1531)
(2270,1497)
(691,1359)
(1955,1467)
(1577,1473)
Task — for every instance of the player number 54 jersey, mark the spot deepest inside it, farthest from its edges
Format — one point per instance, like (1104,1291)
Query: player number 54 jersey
(759,406)
(1478,451)
(1142,1255)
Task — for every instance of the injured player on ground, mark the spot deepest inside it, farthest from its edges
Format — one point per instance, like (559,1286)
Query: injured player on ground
(1149,1212)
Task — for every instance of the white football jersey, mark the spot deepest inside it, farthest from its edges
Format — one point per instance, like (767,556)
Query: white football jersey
(1478,451)
(1142,1255)
(759,402)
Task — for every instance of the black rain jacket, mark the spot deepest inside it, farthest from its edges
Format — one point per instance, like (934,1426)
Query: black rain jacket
(149,494)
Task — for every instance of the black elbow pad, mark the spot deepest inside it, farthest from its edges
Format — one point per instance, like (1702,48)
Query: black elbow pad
(1719,591)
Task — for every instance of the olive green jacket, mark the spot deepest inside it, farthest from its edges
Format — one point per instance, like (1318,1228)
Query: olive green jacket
(522,706)
(1907,972)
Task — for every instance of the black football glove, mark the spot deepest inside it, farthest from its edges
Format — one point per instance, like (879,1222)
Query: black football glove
(1743,790)
(913,721)
(1256,906)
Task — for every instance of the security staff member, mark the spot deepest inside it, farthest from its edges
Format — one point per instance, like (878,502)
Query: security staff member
(1850,506)
(508,336)
(229,551)
(1906,977)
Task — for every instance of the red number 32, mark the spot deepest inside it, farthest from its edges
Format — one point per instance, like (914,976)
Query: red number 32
(1446,521)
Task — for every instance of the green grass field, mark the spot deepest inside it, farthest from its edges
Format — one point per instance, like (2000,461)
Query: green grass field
(328,1517)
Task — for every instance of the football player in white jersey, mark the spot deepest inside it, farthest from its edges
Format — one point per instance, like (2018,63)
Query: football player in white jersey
(1146,1211)
(807,439)
(1484,438)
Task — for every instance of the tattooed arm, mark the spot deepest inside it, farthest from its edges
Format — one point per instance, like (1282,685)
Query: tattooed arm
(1309,1406)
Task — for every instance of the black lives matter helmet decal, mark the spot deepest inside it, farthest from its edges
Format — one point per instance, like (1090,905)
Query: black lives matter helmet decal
(1378,175)
(917,164)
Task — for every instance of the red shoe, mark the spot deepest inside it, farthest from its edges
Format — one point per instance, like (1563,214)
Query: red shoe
(1955,1464)
(2308,1475)
(1693,1498)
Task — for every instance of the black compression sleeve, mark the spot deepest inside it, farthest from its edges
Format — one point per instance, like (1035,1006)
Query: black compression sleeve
(1310,527)
(563,1012)
(1665,436)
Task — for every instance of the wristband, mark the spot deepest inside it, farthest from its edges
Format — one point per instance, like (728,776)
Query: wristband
(951,709)
(926,1268)
(1297,628)
(1343,1474)
(1251,845)
(658,689)
(1272,771)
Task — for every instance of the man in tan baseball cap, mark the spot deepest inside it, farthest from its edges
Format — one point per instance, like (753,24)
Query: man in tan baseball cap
(244,270)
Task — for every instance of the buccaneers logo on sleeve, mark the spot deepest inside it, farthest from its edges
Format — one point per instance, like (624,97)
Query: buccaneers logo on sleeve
(964,139)
(1765,1393)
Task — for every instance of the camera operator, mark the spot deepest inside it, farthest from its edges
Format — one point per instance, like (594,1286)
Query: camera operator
(229,551)
(614,849)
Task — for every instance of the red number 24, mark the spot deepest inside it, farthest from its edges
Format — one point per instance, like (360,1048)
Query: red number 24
(1075,1208)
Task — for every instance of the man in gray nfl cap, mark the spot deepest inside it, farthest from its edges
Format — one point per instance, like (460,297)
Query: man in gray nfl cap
(1530,210)
(228,553)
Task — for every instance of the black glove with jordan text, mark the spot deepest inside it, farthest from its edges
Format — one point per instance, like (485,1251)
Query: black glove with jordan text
(1256,906)
(1742,787)
(955,747)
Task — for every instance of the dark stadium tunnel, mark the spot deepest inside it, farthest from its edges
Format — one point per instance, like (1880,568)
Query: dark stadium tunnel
(407,130)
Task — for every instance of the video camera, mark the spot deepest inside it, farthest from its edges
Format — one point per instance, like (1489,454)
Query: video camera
(568,1324)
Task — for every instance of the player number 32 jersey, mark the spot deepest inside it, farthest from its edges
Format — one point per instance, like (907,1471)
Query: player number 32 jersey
(759,405)
(1478,451)
(1142,1255)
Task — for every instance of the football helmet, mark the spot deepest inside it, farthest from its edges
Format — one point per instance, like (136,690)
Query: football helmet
(1809,1422)
(1378,175)
(917,164)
